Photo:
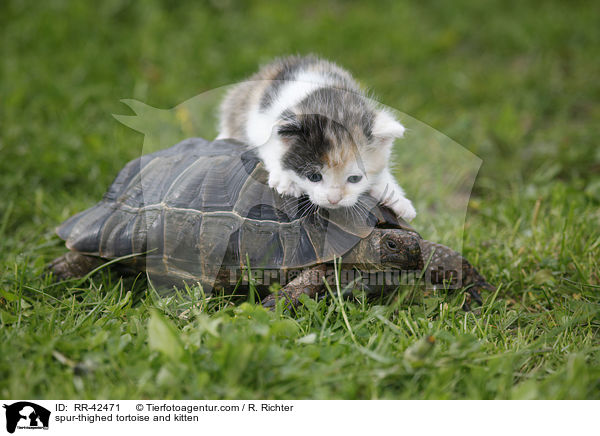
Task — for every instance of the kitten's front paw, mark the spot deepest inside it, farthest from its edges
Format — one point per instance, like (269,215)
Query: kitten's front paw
(283,184)
(294,190)
(395,200)
(404,209)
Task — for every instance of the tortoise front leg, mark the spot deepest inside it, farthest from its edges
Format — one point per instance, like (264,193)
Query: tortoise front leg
(448,266)
(309,282)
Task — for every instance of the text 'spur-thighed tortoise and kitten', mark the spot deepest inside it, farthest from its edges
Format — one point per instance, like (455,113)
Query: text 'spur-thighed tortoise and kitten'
(317,133)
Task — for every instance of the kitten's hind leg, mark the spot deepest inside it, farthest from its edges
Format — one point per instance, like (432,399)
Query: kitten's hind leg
(387,191)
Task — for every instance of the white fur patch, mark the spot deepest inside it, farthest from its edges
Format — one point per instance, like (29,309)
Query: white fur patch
(260,124)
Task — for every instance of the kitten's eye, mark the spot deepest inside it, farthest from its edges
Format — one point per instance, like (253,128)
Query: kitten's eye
(354,179)
(315,177)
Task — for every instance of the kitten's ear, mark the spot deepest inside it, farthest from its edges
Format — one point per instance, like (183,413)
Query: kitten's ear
(387,127)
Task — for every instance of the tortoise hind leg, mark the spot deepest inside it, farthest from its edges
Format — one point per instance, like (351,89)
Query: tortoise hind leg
(73,265)
(309,282)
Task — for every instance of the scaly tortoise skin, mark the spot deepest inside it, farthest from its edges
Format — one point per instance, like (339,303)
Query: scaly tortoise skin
(199,210)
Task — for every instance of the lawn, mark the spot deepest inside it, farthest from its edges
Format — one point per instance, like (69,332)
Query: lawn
(515,83)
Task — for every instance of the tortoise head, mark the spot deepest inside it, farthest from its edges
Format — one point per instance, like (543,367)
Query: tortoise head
(388,248)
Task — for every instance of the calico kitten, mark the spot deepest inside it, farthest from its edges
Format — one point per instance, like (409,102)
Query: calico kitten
(317,133)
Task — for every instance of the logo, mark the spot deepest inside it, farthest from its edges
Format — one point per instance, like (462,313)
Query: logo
(26,415)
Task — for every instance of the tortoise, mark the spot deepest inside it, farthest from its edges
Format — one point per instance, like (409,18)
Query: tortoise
(201,212)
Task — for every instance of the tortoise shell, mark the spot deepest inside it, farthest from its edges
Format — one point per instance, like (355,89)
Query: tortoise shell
(198,206)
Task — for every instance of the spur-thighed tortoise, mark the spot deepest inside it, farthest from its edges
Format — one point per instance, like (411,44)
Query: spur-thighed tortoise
(201,211)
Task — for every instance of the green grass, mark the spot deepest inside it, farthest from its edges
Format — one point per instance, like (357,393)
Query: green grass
(515,83)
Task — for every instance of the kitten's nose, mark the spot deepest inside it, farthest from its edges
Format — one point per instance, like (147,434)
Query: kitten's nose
(334,197)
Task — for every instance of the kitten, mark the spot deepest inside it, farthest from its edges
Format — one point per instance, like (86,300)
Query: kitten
(317,133)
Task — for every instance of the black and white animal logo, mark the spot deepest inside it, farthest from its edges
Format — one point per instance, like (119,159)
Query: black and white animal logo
(26,415)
